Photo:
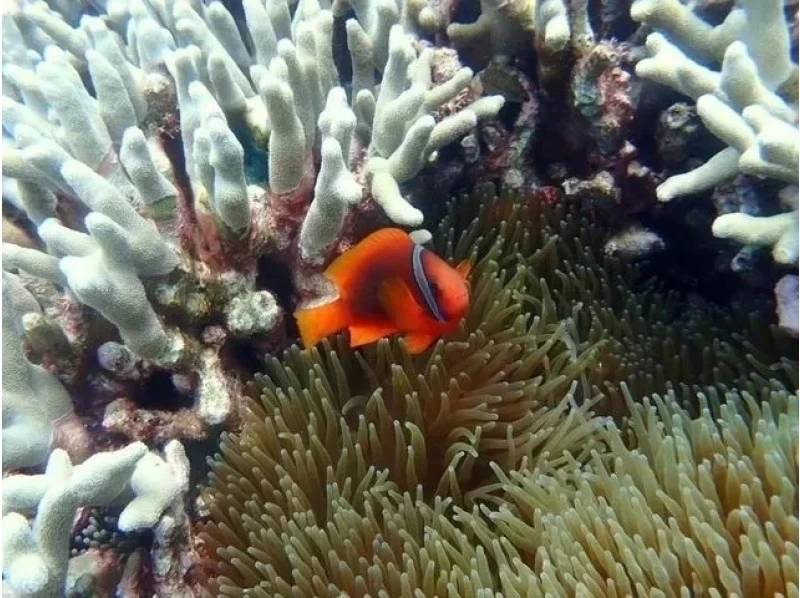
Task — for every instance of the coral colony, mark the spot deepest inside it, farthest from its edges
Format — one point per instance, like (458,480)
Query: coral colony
(616,414)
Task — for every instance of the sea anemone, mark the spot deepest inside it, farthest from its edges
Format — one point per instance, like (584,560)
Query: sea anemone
(653,337)
(482,464)
(702,505)
(338,435)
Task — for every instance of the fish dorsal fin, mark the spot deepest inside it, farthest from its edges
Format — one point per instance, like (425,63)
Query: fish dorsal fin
(369,331)
(417,342)
(345,268)
(464,268)
(400,304)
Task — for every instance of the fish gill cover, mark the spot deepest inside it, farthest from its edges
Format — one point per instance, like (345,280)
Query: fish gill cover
(616,414)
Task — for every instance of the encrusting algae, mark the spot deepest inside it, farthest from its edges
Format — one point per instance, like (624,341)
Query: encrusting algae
(512,458)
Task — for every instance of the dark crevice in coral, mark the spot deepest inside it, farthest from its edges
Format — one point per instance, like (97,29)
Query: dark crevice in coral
(466,12)
(653,100)
(236,8)
(601,17)
(561,140)
(713,13)
(242,357)
(611,19)
(71,212)
(557,144)
(341,55)
(173,147)
(703,266)
(158,392)
(198,454)
(276,277)
(688,268)
(475,57)
(17,217)
(508,114)
(100,331)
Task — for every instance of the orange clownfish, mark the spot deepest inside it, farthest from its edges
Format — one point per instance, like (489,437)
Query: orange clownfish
(389,284)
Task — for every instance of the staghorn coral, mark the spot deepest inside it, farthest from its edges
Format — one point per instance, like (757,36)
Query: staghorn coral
(162,156)
(36,553)
(347,454)
(169,150)
(504,27)
(35,404)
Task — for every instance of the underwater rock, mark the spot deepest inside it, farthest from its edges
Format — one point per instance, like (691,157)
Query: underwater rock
(602,94)
(786,295)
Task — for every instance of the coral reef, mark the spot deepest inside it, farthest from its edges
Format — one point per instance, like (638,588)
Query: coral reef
(617,414)
(93,144)
(34,401)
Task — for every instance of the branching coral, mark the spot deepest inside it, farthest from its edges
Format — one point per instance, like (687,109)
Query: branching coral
(35,555)
(33,399)
(163,153)
(750,104)
(217,83)
(503,27)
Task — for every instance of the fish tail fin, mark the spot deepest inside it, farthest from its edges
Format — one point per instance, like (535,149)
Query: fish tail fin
(315,323)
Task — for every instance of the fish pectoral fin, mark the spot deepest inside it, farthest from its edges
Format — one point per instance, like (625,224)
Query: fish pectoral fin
(417,342)
(364,333)
(464,268)
(399,304)
(318,322)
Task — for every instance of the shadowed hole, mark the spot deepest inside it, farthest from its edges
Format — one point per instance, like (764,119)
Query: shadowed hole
(158,392)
